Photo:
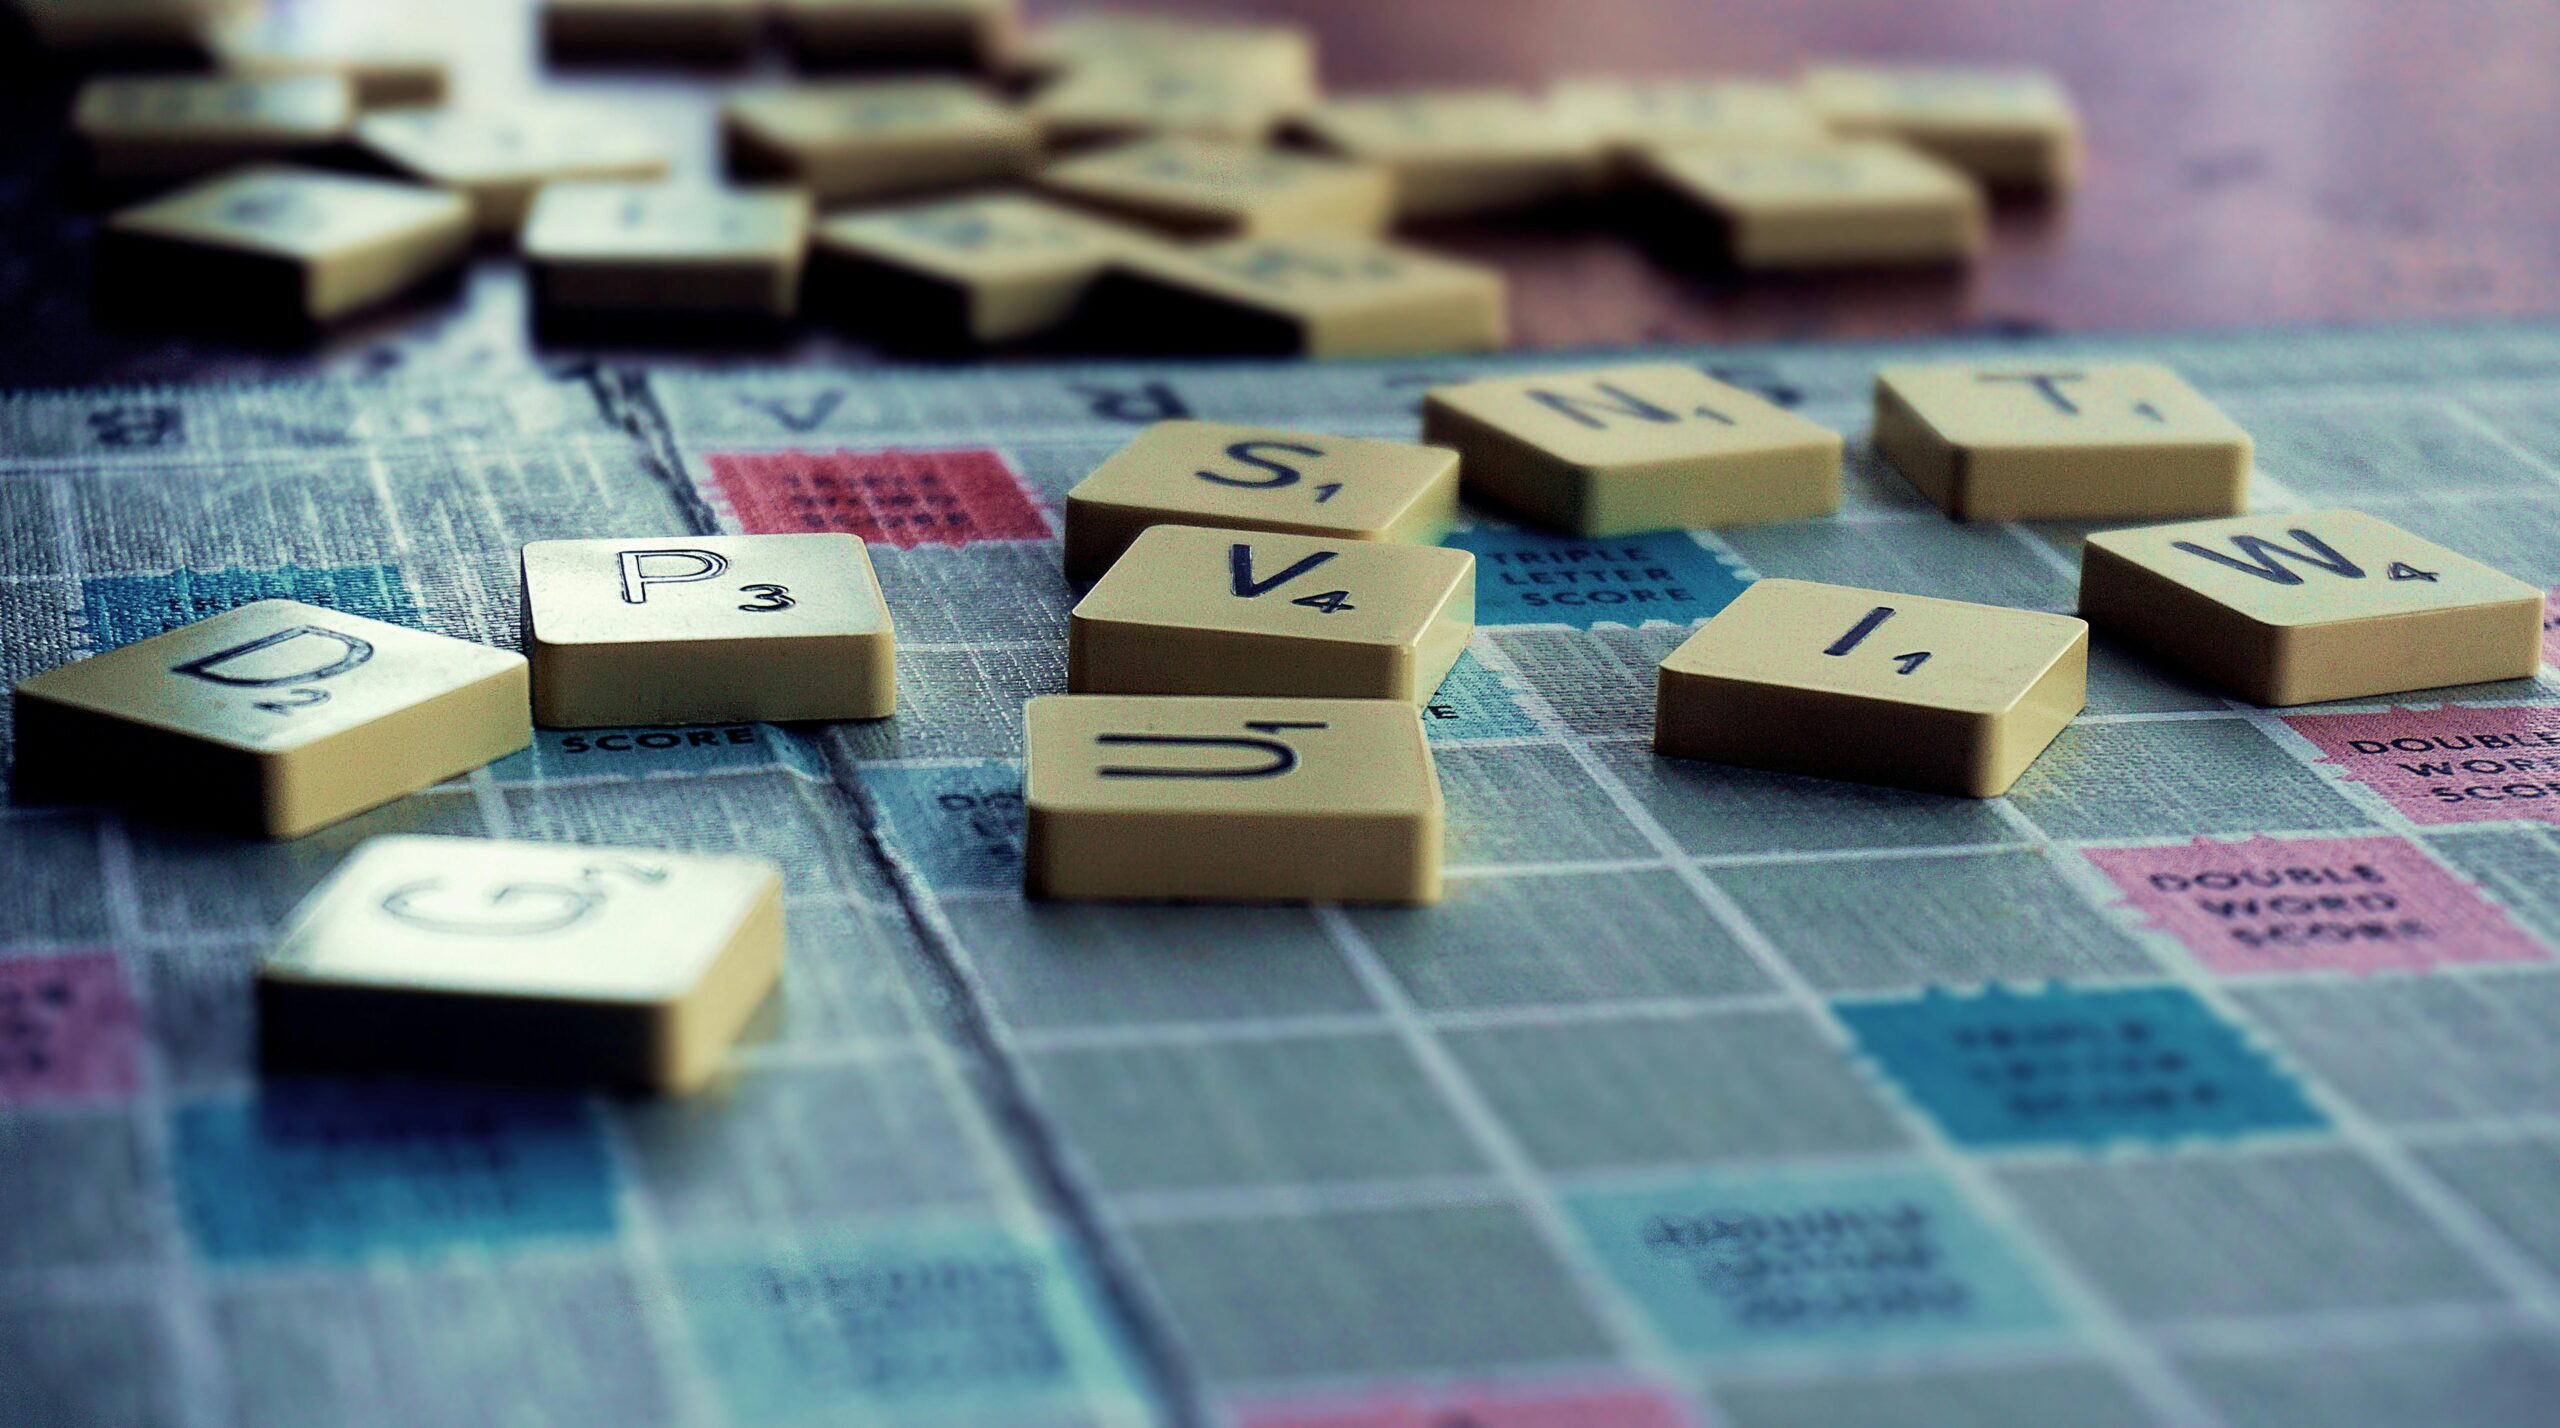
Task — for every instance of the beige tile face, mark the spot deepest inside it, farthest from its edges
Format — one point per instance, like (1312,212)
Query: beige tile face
(1874,686)
(1008,266)
(499,158)
(308,109)
(848,141)
(616,222)
(272,676)
(1128,97)
(1851,201)
(387,60)
(278,717)
(2011,405)
(686,588)
(2029,442)
(1194,186)
(1456,153)
(1253,799)
(464,147)
(598,247)
(304,214)
(1620,449)
(522,919)
(992,238)
(1259,478)
(2311,568)
(138,127)
(1628,113)
(1876,644)
(1323,295)
(1196,610)
(2006,126)
(611,965)
(698,629)
(2293,607)
(141,24)
(1276,59)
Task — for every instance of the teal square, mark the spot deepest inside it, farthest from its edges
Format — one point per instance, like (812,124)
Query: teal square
(1532,578)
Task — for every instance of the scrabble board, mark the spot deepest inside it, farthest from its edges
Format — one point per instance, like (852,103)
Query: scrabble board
(2207,1077)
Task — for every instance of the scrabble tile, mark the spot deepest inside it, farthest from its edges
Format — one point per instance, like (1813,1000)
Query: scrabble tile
(1268,57)
(1463,153)
(524,961)
(1229,800)
(1827,205)
(2298,607)
(2028,441)
(1202,187)
(1626,114)
(675,249)
(274,718)
(960,271)
(168,25)
(142,128)
(1660,446)
(1869,685)
(1189,96)
(283,245)
(2009,128)
(1198,610)
(1310,294)
(1205,473)
(500,158)
(879,32)
(689,31)
(866,140)
(386,63)
(706,630)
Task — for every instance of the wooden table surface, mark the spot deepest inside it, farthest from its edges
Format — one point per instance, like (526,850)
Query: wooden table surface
(2252,162)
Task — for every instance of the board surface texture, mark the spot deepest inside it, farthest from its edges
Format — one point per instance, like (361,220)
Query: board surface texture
(2205,1077)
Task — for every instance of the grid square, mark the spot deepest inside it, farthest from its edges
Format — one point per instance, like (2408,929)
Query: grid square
(1067,966)
(1675,1090)
(1723,809)
(85,1191)
(1265,1112)
(2176,780)
(1561,938)
(1369,1293)
(1903,923)
(2499,1381)
(2416,1051)
(2257,1234)
(794,1147)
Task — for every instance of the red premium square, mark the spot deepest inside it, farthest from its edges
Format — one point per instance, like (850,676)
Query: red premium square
(900,498)
(68,1029)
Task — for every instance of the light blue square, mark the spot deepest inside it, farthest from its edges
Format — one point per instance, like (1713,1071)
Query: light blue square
(932,1322)
(1476,703)
(961,824)
(1742,1263)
